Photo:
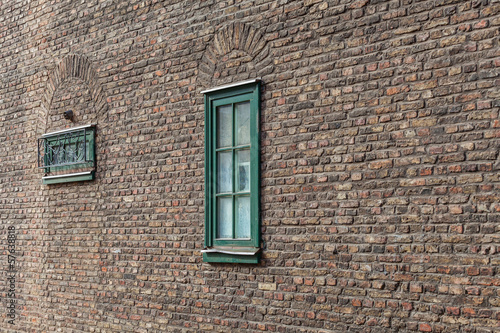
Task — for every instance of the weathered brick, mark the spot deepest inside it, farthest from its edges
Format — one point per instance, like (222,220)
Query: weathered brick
(379,159)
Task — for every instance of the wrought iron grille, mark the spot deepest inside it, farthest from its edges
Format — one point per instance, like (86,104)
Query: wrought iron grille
(66,148)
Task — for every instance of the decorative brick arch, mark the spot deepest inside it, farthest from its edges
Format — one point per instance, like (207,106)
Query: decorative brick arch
(234,38)
(71,66)
(74,66)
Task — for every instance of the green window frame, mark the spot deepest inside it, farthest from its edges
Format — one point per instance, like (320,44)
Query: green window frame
(232,181)
(68,155)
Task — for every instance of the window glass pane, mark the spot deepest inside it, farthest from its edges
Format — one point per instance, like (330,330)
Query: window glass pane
(243,226)
(243,170)
(225,172)
(243,123)
(225,126)
(225,217)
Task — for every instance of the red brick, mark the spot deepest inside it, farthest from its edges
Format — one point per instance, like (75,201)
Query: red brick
(425,328)
(378,187)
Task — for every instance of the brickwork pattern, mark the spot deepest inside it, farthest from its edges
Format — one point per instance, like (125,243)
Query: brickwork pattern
(380,134)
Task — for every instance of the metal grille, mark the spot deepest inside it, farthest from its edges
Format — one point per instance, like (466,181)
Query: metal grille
(63,149)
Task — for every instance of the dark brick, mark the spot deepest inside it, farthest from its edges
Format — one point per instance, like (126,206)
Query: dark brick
(379,174)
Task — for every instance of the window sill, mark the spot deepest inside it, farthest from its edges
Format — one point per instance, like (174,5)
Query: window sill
(72,177)
(243,255)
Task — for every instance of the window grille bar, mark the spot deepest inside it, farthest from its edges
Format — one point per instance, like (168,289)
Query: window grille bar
(65,148)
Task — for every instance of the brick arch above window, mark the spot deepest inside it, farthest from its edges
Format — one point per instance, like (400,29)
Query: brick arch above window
(74,66)
(66,148)
(237,52)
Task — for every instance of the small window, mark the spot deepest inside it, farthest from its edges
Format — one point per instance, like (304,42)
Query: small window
(67,155)
(232,231)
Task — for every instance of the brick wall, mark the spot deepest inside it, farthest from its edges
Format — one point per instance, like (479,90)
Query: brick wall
(380,168)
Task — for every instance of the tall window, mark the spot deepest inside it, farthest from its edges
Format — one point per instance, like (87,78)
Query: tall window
(232,173)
